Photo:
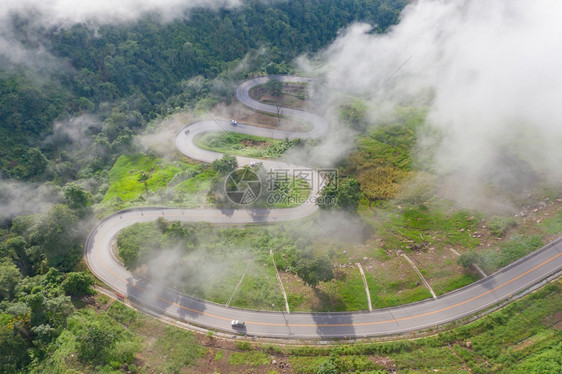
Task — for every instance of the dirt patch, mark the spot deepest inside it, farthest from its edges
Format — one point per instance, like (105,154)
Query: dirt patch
(555,321)
(248,116)
(386,362)
(528,221)
(255,143)
(525,344)
(294,95)
(218,351)
(89,301)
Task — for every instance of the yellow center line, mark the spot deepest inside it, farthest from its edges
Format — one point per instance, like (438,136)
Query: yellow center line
(337,324)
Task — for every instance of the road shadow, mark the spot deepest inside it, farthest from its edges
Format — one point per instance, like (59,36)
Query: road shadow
(334,325)
(227,211)
(189,308)
(259,215)
(163,300)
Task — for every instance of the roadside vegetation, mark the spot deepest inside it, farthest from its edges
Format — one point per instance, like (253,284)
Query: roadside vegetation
(210,261)
(244,145)
(523,337)
(318,271)
(147,180)
(271,189)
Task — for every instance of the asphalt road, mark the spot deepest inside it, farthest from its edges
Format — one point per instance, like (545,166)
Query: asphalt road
(446,308)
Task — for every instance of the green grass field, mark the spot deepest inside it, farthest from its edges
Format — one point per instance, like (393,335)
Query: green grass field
(144,180)
(242,144)
(259,289)
(216,280)
(428,225)
(134,175)
(552,225)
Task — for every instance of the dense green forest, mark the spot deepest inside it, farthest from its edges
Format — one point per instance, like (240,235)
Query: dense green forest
(115,80)
(130,74)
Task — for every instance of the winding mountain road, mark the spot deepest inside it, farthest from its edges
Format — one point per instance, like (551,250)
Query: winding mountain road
(455,305)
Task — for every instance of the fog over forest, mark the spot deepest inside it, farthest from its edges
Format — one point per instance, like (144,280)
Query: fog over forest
(490,75)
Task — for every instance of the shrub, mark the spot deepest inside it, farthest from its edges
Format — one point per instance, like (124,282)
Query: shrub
(78,283)
(499,225)
(244,346)
(125,351)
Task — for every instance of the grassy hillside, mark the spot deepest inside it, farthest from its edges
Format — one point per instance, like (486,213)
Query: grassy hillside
(145,180)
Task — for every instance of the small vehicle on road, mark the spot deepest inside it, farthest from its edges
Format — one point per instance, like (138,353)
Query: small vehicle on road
(236,323)
(187,131)
(233,122)
(255,163)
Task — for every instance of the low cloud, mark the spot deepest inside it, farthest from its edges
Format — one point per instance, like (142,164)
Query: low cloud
(34,14)
(74,133)
(161,139)
(17,198)
(489,73)
(200,272)
(64,12)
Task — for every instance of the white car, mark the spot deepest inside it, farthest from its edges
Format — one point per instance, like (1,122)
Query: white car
(255,163)
(236,323)
(233,122)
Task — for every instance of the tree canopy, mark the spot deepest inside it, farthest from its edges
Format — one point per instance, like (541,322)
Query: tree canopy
(225,164)
(275,87)
(343,195)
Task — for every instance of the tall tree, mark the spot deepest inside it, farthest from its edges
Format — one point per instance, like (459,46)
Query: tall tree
(9,278)
(226,164)
(58,238)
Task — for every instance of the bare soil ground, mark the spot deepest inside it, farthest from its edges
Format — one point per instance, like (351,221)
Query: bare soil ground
(294,95)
